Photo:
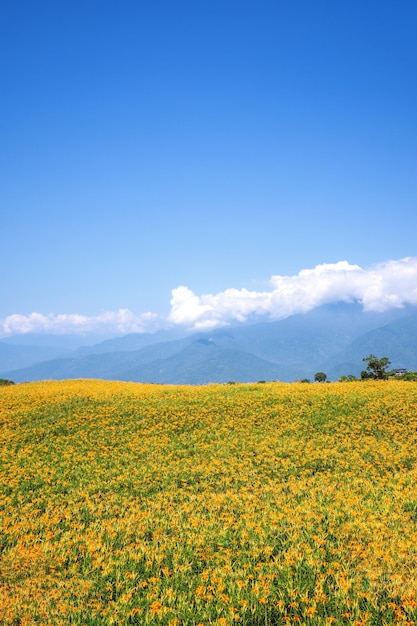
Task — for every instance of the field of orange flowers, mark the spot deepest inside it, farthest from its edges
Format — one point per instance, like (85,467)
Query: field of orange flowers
(231,505)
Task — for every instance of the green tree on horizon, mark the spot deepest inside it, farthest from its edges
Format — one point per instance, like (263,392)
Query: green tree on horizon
(5,381)
(376,368)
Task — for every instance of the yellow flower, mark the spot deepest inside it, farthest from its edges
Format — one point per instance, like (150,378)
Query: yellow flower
(311,611)
(156,607)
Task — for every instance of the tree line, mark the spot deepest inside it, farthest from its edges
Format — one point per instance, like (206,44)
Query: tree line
(376,369)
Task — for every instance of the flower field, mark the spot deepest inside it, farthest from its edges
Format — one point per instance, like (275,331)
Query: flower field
(249,505)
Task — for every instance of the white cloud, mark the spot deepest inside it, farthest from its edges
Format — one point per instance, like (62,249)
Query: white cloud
(384,286)
(122,321)
(387,285)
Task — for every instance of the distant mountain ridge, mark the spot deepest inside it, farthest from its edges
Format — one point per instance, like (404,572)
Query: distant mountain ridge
(333,338)
(18,356)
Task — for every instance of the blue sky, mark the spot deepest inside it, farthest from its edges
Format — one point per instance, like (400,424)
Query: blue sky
(203,145)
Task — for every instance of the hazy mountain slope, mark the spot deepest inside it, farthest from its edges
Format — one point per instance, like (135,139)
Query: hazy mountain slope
(108,365)
(279,342)
(105,366)
(304,342)
(333,339)
(202,362)
(397,341)
(335,324)
(17,356)
(199,362)
(131,342)
(67,341)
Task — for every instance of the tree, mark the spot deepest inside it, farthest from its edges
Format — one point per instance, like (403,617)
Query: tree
(320,377)
(409,376)
(376,368)
(350,378)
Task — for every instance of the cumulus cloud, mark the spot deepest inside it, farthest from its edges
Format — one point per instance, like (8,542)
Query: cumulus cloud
(122,321)
(388,285)
(384,286)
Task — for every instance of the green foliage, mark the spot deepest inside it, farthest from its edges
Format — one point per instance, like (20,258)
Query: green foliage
(320,377)
(411,376)
(5,381)
(350,378)
(376,368)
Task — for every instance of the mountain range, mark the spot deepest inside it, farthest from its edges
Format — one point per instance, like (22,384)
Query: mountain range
(332,338)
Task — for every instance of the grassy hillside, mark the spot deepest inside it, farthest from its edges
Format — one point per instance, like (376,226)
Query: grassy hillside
(237,504)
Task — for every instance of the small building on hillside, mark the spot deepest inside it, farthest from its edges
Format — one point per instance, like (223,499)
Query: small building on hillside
(400,371)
